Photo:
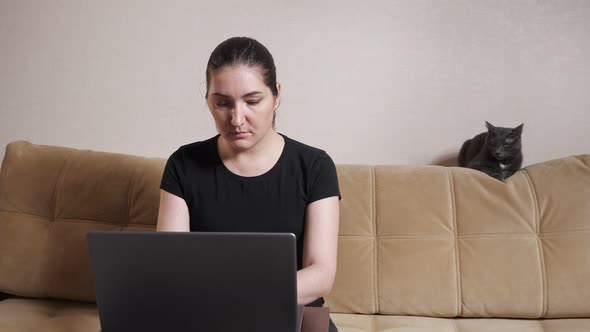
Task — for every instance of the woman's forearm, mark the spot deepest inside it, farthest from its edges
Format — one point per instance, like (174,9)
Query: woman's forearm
(313,282)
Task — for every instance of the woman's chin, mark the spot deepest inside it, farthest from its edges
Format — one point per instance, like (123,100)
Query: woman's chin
(240,142)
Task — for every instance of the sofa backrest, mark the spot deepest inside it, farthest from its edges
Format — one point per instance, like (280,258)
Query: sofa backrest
(50,197)
(449,241)
(414,240)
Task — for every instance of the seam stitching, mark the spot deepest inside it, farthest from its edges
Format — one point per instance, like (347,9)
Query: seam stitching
(56,189)
(459,308)
(375,251)
(130,193)
(537,218)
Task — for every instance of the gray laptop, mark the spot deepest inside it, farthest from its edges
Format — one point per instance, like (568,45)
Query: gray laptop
(166,281)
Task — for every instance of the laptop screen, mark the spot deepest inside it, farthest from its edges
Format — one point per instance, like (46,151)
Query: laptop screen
(173,281)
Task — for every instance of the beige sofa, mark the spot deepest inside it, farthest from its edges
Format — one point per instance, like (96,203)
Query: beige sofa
(422,248)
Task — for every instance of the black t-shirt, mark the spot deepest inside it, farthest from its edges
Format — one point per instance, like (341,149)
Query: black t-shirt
(276,201)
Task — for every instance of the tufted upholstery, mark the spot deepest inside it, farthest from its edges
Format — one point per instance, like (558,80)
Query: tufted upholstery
(414,241)
(446,242)
(50,197)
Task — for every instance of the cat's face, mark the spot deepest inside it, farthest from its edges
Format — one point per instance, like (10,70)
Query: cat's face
(504,143)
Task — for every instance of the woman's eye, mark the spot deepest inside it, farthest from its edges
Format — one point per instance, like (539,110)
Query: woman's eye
(253,102)
(222,104)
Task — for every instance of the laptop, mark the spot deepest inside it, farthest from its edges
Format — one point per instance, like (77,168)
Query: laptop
(181,281)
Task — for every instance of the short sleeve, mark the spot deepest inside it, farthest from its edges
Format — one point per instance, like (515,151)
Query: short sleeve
(172,179)
(324,179)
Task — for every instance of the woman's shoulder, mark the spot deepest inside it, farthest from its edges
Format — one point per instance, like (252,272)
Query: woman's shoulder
(197,151)
(302,148)
(317,169)
(307,153)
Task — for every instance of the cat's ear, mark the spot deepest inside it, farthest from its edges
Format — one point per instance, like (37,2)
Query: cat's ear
(490,126)
(518,130)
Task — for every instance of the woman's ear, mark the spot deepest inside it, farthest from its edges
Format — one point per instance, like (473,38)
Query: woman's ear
(278,97)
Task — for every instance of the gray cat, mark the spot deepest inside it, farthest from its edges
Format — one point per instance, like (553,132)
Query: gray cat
(497,152)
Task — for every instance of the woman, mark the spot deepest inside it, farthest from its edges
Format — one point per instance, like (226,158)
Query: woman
(250,178)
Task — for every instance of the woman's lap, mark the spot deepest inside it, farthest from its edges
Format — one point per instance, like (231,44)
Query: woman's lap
(332,327)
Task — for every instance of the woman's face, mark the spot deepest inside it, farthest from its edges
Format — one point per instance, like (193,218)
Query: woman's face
(242,105)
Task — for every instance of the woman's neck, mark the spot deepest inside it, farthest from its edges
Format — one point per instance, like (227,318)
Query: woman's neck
(255,161)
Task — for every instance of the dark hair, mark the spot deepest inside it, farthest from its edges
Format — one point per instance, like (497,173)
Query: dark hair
(243,51)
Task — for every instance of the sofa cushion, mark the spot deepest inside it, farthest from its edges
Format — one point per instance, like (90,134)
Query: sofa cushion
(355,286)
(379,323)
(50,197)
(450,241)
(23,315)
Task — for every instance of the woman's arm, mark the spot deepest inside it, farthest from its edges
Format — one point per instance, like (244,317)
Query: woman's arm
(173,213)
(320,250)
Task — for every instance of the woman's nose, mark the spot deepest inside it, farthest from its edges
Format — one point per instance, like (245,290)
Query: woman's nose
(237,116)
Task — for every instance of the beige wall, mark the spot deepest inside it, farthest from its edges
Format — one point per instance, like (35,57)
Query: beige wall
(401,82)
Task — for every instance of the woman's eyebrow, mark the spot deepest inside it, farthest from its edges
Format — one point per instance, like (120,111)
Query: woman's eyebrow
(220,95)
(253,93)
(249,94)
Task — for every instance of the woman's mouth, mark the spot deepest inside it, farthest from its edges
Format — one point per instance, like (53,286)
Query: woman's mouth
(239,134)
